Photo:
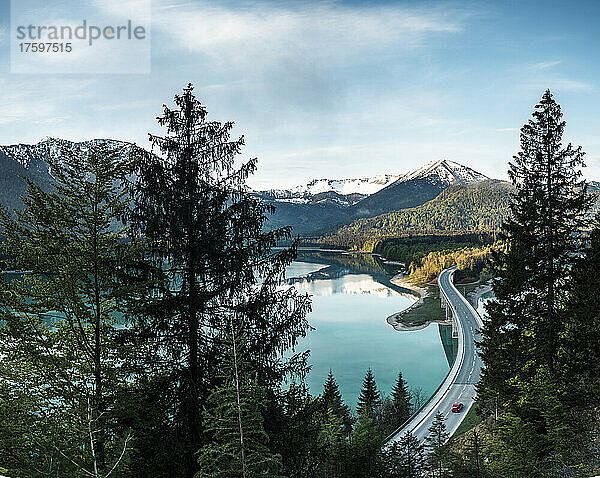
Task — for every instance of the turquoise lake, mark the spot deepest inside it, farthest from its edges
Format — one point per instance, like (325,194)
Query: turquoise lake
(351,302)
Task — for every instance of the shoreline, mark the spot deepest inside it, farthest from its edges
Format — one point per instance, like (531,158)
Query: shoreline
(476,294)
(395,320)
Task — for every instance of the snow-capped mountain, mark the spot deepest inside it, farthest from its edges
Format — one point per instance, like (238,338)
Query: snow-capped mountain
(343,191)
(323,202)
(30,161)
(35,156)
(314,206)
(417,187)
(364,186)
(348,192)
(446,172)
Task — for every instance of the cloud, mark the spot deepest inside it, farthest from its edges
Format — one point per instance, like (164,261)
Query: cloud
(268,30)
(560,84)
(28,100)
(545,65)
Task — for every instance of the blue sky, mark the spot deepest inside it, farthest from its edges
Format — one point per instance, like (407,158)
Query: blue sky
(337,89)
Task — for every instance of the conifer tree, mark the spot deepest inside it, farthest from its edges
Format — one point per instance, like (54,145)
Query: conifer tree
(233,418)
(580,354)
(331,446)
(435,443)
(392,460)
(401,400)
(411,457)
(61,318)
(365,449)
(370,396)
(192,205)
(331,399)
(296,434)
(533,277)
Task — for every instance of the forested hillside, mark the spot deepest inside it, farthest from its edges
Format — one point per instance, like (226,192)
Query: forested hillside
(475,207)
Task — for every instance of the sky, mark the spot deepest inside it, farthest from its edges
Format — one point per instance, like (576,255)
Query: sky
(335,89)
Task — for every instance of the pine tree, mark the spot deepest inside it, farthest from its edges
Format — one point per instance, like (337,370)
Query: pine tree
(435,443)
(392,461)
(331,446)
(192,205)
(365,449)
(331,399)
(533,277)
(234,418)
(580,356)
(401,400)
(61,359)
(297,431)
(370,397)
(410,457)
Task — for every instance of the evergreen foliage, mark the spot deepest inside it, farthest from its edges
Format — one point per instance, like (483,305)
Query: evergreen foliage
(580,355)
(401,400)
(331,399)
(233,418)
(370,396)
(524,338)
(365,446)
(63,374)
(405,458)
(435,442)
(206,234)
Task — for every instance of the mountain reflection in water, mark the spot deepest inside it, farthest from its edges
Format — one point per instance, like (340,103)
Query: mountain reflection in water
(352,297)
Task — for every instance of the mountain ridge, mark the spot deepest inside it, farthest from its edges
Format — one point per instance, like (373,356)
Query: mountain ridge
(18,161)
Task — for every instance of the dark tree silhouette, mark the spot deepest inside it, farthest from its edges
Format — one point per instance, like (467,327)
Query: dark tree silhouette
(370,397)
(401,400)
(533,277)
(331,399)
(206,232)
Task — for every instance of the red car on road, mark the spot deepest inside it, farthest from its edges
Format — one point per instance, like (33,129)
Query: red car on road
(457,407)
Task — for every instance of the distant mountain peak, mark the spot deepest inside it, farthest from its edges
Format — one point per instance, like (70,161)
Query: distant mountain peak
(343,191)
(346,186)
(447,172)
(35,155)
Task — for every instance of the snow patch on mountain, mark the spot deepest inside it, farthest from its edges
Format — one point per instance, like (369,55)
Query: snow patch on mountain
(342,191)
(35,156)
(364,186)
(446,172)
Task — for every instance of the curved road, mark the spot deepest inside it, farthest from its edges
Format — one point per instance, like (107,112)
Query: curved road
(459,385)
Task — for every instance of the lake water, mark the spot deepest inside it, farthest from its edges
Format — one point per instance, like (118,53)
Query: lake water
(351,298)
(351,302)
(482,301)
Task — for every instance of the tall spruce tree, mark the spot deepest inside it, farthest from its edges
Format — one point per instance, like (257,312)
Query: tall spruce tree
(411,456)
(401,400)
(370,396)
(533,277)
(580,354)
(192,205)
(331,399)
(296,434)
(435,443)
(62,368)
(365,449)
(234,420)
